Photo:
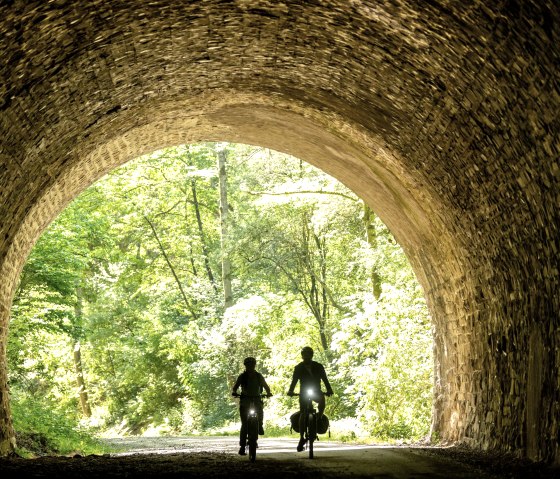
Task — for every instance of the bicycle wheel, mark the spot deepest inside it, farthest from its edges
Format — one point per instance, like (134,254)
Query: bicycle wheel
(252,437)
(312,432)
(252,451)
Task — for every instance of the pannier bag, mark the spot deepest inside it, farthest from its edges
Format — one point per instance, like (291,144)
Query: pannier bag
(322,423)
(294,421)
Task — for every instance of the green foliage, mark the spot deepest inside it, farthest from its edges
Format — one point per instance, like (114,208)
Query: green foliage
(43,428)
(391,371)
(132,270)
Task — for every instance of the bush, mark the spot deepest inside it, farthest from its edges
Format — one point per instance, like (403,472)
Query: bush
(42,429)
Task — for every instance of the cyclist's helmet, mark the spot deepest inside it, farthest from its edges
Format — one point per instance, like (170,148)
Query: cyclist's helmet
(249,361)
(307,351)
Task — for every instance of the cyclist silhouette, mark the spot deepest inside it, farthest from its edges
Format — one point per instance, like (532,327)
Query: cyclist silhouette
(252,384)
(309,373)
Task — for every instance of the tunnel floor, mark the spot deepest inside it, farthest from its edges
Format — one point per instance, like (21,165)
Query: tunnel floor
(276,458)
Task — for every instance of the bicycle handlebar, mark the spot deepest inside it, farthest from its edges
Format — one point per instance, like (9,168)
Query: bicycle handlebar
(324,393)
(256,396)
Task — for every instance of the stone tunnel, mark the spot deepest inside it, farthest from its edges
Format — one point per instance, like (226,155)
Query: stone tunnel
(444,115)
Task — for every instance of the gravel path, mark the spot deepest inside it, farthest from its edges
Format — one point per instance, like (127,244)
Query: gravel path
(216,457)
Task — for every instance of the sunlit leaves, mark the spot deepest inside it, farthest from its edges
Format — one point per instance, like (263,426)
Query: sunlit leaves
(139,255)
(386,348)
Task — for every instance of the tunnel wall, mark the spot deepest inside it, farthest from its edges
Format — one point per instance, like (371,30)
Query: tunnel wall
(442,115)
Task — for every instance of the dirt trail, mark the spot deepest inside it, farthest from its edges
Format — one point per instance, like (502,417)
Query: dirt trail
(216,457)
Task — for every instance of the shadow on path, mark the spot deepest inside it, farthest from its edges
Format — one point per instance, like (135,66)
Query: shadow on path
(188,457)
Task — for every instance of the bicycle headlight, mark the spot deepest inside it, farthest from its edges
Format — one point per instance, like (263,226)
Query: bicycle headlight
(252,411)
(310,392)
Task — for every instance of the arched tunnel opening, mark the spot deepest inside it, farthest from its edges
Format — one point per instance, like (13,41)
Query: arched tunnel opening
(443,116)
(144,295)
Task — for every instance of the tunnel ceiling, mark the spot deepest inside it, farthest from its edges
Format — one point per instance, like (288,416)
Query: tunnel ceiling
(431,101)
(443,115)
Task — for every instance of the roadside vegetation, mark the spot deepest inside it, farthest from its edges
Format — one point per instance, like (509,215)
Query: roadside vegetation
(138,304)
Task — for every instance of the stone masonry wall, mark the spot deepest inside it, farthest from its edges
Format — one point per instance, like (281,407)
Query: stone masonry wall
(443,115)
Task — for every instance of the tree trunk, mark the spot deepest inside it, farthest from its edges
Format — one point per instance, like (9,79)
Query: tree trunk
(316,295)
(224,208)
(322,249)
(7,433)
(202,235)
(371,238)
(173,272)
(80,381)
(84,401)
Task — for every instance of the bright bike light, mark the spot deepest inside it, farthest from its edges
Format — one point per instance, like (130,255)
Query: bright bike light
(310,392)
(252,411)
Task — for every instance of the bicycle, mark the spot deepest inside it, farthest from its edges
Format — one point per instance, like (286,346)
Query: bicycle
(252,424)
(308,419)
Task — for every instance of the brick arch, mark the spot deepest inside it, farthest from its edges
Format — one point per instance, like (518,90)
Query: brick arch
(443,117)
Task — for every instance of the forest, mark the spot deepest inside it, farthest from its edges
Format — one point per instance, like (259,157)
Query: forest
(138,304)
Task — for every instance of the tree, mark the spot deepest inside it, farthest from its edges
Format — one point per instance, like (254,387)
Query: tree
(224,210)
(371,238)
(295,232)
(123,282)
(48,303)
